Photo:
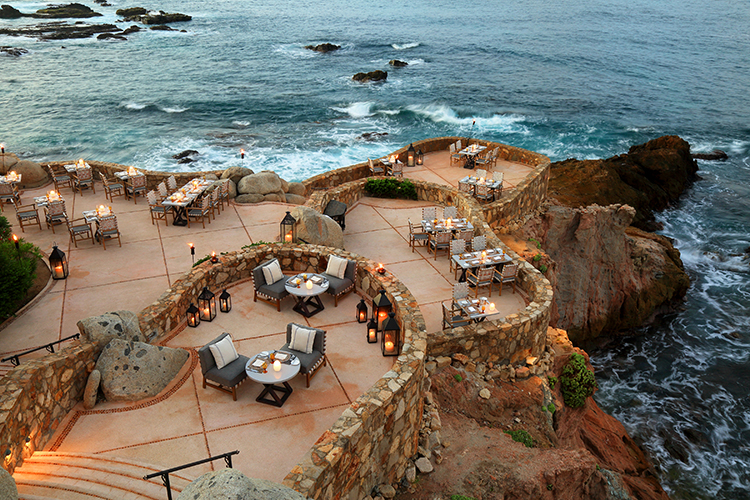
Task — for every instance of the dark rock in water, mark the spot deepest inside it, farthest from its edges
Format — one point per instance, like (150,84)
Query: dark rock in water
(8,12)
(65,11)
(14,51)
(161,27)
(185,154)
(397,64)
(165,18)
(649,177)
(715,155)
(372,136)
(131,12)
(59,30)
(132,29)
(110,36)
(372,76)
(323,47)
(187,159)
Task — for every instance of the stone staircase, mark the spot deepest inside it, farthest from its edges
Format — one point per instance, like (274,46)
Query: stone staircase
(81,476)
(5,368)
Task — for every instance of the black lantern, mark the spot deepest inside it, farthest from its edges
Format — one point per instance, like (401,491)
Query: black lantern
(420,157)
(288,229)
(193,316)
(362,312)
(225,302)
(207,304)
(372,331)
(391,344)
(58,263)
(381,306)
(410,156)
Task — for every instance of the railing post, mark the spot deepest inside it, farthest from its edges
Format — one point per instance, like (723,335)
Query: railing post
(14,360)
(165,480)
(228,460)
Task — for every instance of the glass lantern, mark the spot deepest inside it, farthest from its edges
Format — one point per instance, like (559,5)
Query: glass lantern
(372,331)
(58,263)
(362,312)
(288,229)
(391,339)
(381,306)
(420,157)
(207,304)
(193,316)
(410,156)
(225,302)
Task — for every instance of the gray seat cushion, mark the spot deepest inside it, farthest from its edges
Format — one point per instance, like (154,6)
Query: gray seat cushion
(229,376)
(306,361)
(339,285)
(277,290)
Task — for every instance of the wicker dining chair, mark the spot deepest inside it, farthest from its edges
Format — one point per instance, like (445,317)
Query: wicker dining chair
(466,187)
(375,169)
(416,236)
(200,212)
(83,178)
(454,317)
(80,230)
(135,186)
(457,247)
(455,157)
(172,184)
(107,229)
(484,277)
(450,212)
(61,178)
(54,213)
(215,202)
(484,192)
(507,275)
(439,241)
(156,209)
(429,213)
(478,243)
(397,169)
(163,192)
(9,193)
(460,290)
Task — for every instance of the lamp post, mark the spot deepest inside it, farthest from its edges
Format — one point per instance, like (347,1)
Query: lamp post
(192,252)
(242,157)
(58,263)
(288,229)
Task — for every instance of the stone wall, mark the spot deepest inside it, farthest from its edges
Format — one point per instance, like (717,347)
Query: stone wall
(37,395)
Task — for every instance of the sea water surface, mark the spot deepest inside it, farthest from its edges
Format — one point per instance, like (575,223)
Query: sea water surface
(565,78)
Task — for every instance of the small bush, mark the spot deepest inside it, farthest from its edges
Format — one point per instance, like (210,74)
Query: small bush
(458,377)
(543,268)
(578,382)
(551,408)
(256,244)
(17,273)
(391,188)
(4,229)
(537,257)
(552,381)
(522,437)
(461,497)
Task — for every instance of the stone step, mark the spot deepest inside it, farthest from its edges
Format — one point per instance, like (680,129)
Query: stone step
(84,476)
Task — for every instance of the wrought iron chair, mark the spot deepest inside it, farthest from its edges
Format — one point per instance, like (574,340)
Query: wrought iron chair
(106,229)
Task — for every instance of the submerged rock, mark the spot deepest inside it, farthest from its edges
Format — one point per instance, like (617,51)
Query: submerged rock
(165,18)
(110,36)
(715,155)
(72,10)
(372,76)
(323,47)
(185,154)
(131,13)
(397,64)
(60,30)
(162,27)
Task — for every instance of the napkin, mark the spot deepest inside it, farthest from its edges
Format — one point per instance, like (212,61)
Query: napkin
(471,309)
(258,363)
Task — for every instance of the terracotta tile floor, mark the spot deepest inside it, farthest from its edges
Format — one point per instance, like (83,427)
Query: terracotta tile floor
(188,422)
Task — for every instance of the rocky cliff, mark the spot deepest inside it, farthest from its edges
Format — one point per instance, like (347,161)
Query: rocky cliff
(607,275)
(649,177)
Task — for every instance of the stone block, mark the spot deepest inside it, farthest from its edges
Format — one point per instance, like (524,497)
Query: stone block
(92,389)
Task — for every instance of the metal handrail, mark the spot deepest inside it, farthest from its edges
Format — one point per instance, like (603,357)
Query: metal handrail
(50,347)
(165,473)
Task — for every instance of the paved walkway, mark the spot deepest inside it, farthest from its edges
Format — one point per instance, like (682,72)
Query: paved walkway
(187,422)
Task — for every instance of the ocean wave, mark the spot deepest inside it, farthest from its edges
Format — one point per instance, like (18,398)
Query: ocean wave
(133,105)
(357,109)
(410,45)
(446,114)
(173,110)
(415,62)
(241,123)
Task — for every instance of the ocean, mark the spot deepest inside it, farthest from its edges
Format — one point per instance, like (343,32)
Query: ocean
(564,78)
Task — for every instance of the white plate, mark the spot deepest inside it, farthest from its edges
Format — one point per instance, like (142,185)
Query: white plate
(264,353)
(294,362)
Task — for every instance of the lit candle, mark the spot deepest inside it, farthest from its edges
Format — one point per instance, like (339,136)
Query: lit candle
(309,284)
(372,335)
(59,270)
(288,237)
(206,312)
(242,154)
(277,366)
(362,316)
(15,240)
(389,346)
(214,258)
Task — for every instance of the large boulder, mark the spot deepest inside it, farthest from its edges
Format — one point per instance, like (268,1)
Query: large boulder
(649,177)
(7,162)
(131,371)
(230,484)
(297,188)
(236,173)
(317,229)
(9,12)
(34,175)
(323,47)
(607,275)
(295,199)
(372,76)
(75,10)
(261,183)
(249,198)
(8,488)
(102,329)
(92,389)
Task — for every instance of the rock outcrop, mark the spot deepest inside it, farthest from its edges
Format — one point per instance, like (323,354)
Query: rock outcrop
(8,488)
(323,47)
(232,484)
(397,64)
(72,10)
(60,31)
(715,155)
(317,229)
(649,177)
(263,186)
(372,76)
(9,12)
(607,276)
(131,371)
(122,325)
(13,51)
(7,162)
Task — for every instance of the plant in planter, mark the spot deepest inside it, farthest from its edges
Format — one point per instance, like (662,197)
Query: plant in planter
(391,188)
(17,273)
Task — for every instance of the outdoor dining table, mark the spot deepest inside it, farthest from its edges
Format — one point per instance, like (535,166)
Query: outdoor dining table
(473,260)
(43,201)
(260,369)
(439,225)
(473,181)
(308,299)
(470,153)
(477,309)
(93,215)
(11,179)
(184,197)
(71,169)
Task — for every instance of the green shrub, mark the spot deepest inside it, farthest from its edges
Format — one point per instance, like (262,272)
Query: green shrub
(461,497)
(578,382)
(256,244)
(537,257)
(522,437)
(5,231)
(391,188)
(551,408)
(17,273)
(552,381)
(458,377)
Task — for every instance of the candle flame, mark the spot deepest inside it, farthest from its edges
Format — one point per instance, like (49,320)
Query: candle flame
(15,238)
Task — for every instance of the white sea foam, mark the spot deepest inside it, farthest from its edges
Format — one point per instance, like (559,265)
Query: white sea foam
(410,45)
(415,62)
(173,110)
(241,123)
(357,109)
(446,114)
(133,105)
